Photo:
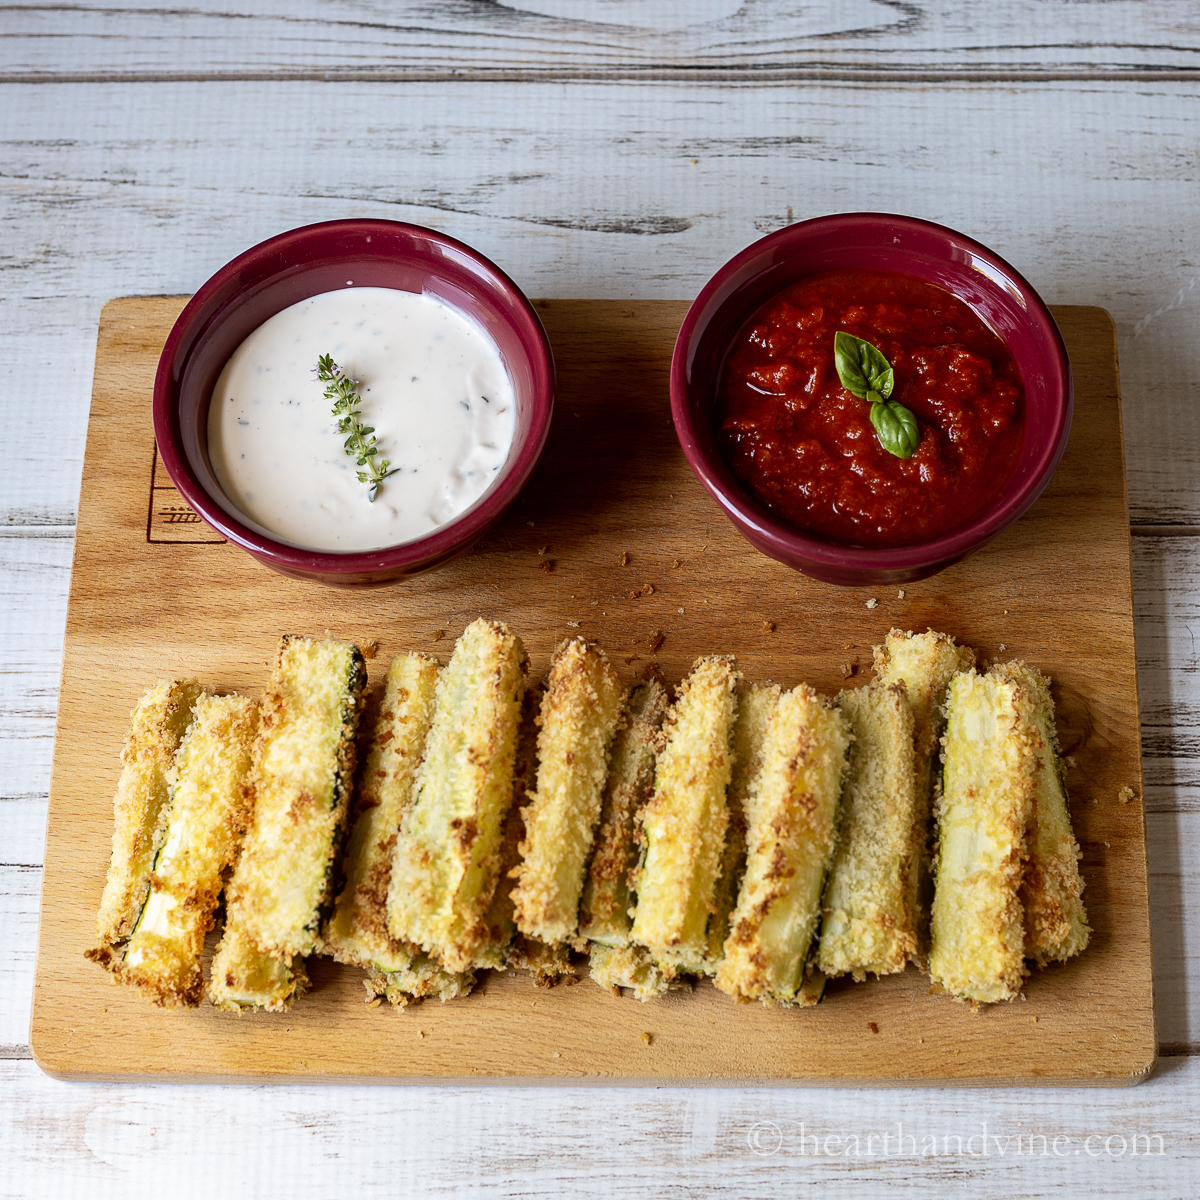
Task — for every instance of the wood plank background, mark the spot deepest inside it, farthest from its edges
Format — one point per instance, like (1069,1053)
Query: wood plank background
(141,147)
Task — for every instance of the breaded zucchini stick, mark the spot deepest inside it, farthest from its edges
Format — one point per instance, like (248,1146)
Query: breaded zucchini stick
(357,932)
(925,663)
(989,764)
(206,818)
(607,894)
(1051,894)
(579,716)
(868,924)
(243,978)
(158,724)
(789,845)
(756,704)
(502,926)
(300,788)
(684,822)
(447,858)
(628,966)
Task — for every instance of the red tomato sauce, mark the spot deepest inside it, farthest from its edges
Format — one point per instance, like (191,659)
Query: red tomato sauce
(805,447)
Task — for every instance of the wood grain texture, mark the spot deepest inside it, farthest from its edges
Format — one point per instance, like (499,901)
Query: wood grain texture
(115,1142)
(573,39)
(597,190)
(139,610)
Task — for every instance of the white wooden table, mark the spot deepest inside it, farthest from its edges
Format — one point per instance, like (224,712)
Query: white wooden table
(607,148)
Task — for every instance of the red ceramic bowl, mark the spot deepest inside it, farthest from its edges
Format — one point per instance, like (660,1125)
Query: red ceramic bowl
(880,242)
(321,258)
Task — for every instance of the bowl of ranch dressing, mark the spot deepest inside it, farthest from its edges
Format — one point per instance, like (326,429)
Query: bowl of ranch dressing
(449,376)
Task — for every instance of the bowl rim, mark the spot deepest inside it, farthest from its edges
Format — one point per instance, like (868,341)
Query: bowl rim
(763,525)
(438,545)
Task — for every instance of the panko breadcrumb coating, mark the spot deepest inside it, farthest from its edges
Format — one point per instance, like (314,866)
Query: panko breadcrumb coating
(300,790)
(579,717)
(756,704)
(790,840)
(604,912)
(684,822)
(924,663)
(206,819)
(447,858)
(357,932)
(868,924)
(977,949)
(1051,893)
(157,726)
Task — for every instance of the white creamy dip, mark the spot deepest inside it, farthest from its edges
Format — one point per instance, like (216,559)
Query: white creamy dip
(432,384)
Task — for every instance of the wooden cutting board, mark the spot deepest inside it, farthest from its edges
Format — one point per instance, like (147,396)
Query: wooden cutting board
(616,539)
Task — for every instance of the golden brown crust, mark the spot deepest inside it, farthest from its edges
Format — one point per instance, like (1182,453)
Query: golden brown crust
(357,932)
(790,840)
(205,820)
(684,822)
(447,859)
(604,914)
(578,719)
(868,923)
(157,726)
(300,786)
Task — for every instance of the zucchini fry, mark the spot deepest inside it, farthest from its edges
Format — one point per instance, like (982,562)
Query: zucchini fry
(205,821)
(989,760)
(158,724)
(756,703)
(607,895)
(243,978)
(1051,894)
(868,924)
(925,663)
(300,788)
(684,822)
(447,858)
(789,845)
(579,717)
(628,966)
(357,932)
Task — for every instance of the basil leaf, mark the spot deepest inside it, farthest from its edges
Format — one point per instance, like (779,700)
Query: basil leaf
(897,428)
(861,367)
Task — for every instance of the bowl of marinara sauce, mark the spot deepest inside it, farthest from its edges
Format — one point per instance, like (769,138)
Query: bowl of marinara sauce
(797,447)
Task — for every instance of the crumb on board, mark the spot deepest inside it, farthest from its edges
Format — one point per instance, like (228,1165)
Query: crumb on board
(623,561)
(647,1038)
(1124,795)
(438,634)
(677,564)
(530,524)
(573,624)
(1003,647)
(542,550)
(547,565)
(1069,759)
(848,669)
(557,1054)
(768,627)
(872,602)
(369,649)
(900,594)
(680,611)
(647,589)
(872,1027)
(656,640)
(634,595)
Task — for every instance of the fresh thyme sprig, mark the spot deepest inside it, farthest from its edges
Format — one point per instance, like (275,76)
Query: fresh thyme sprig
(360,442)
